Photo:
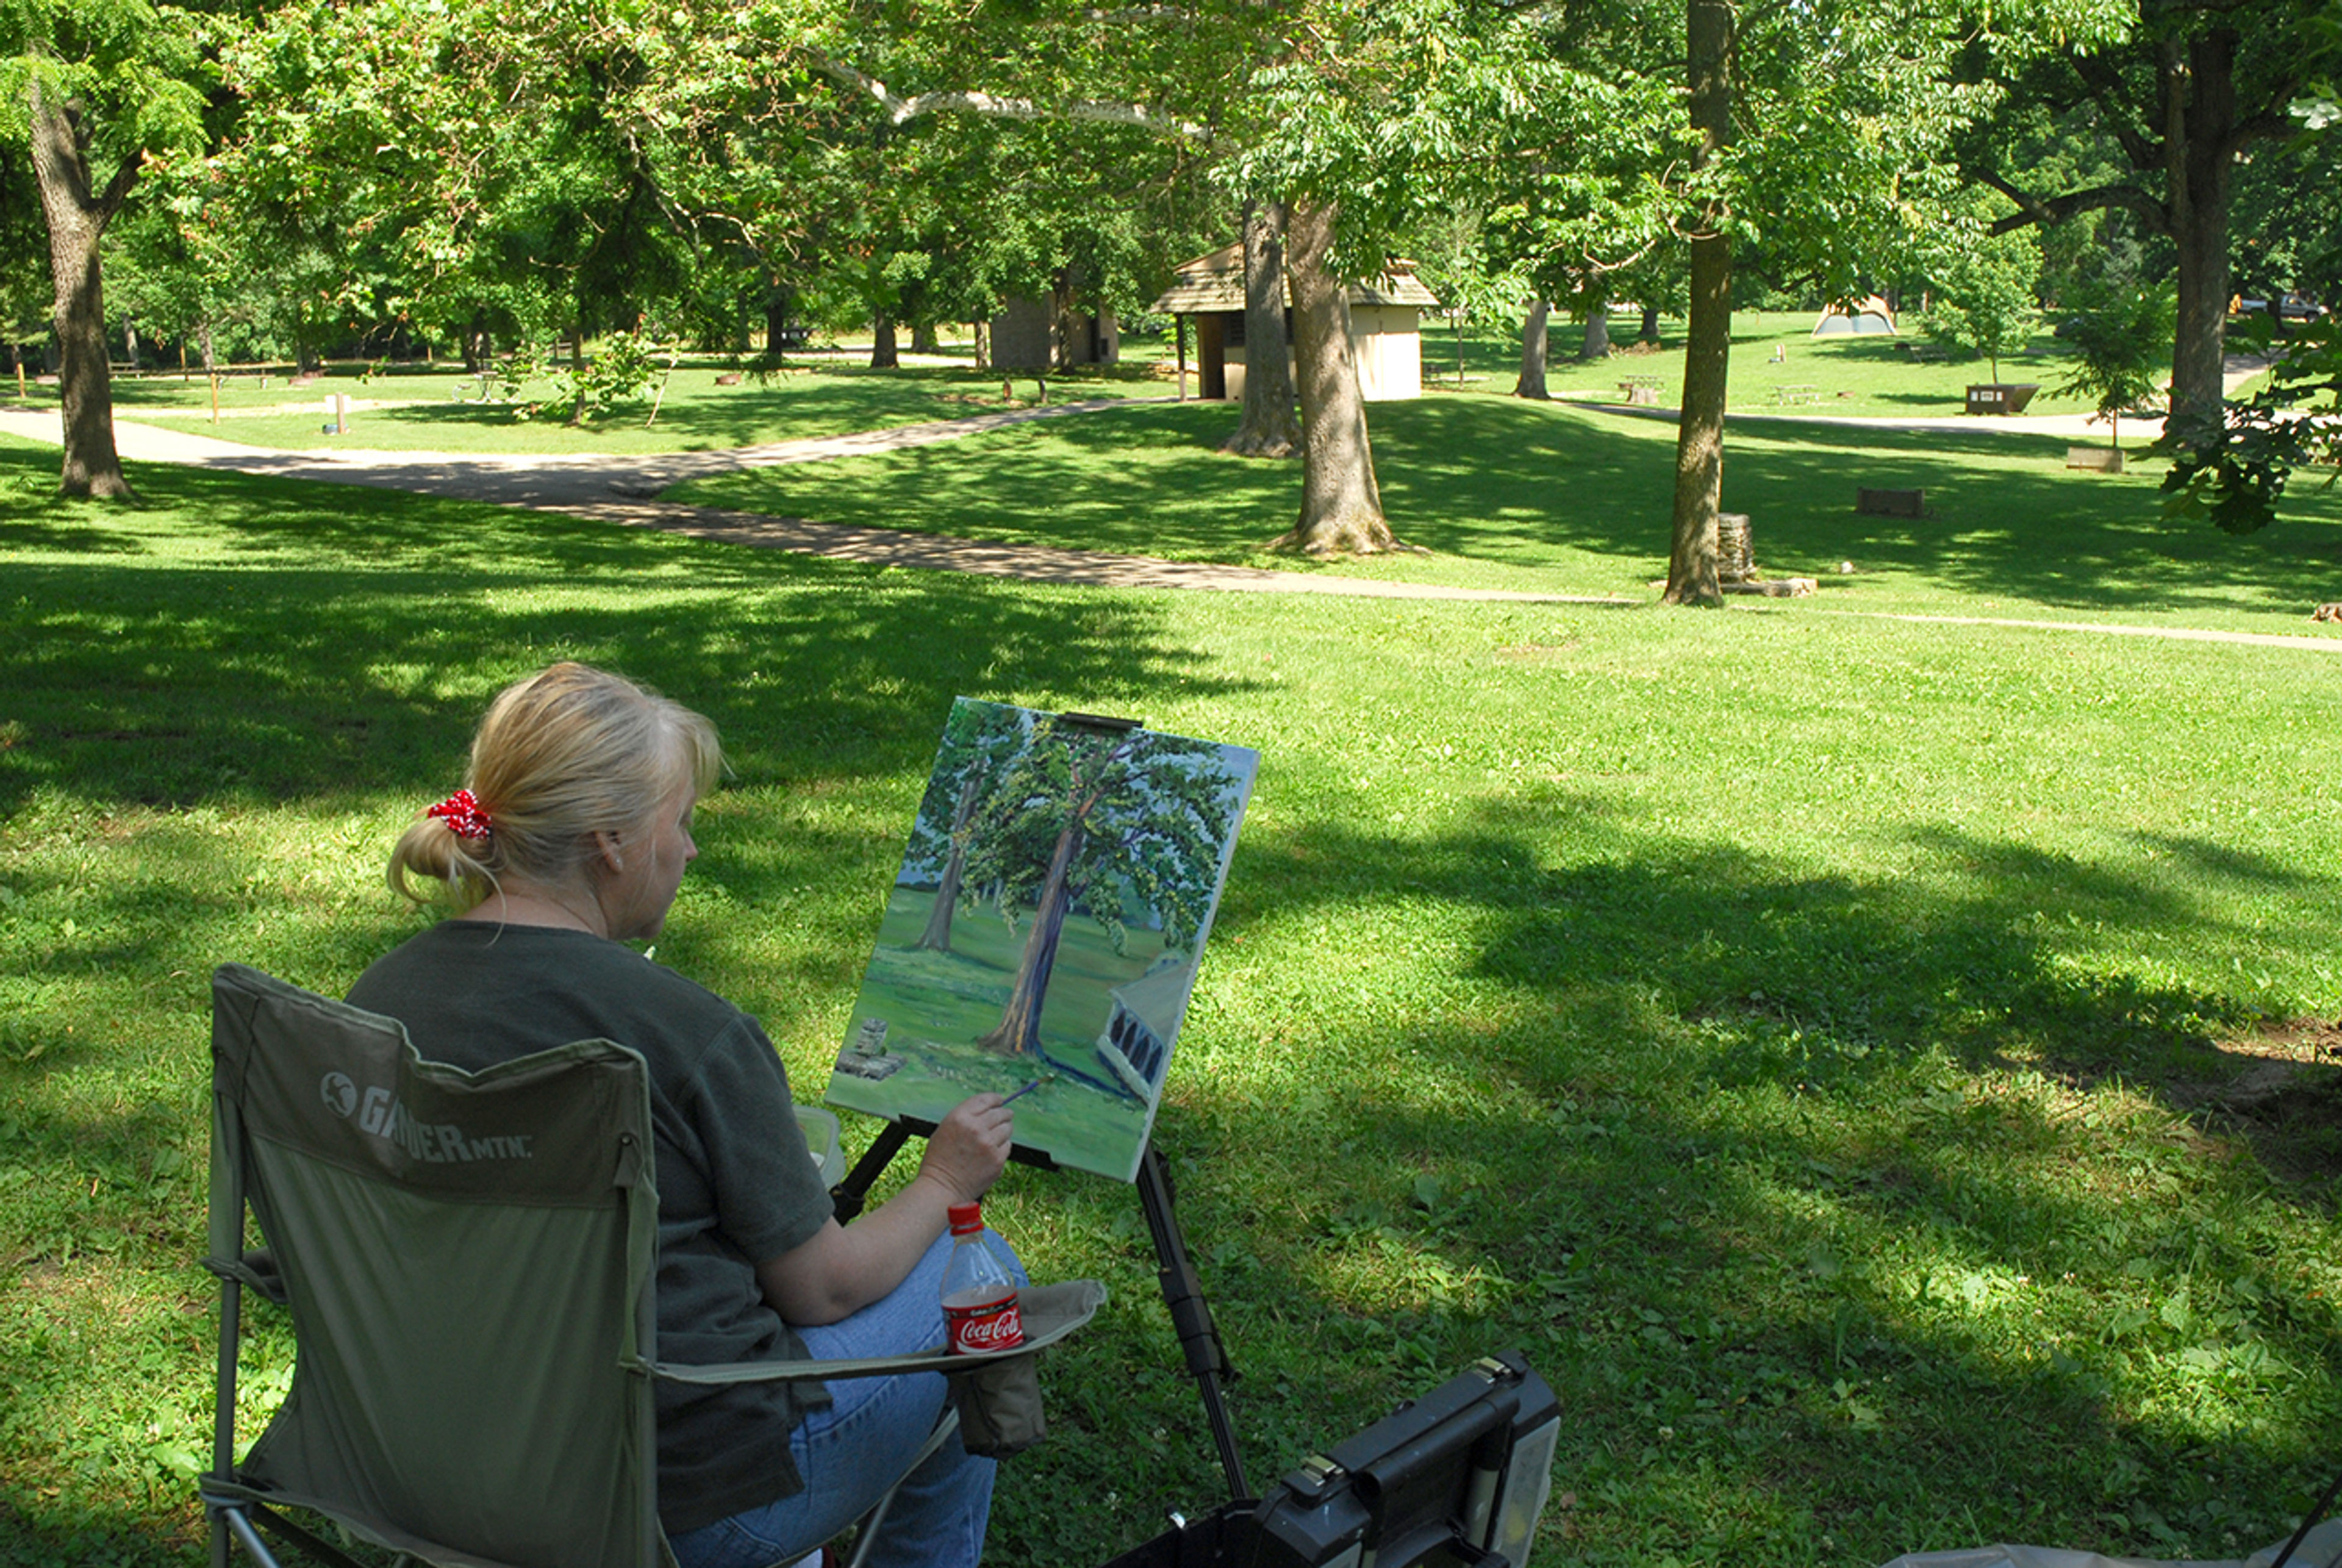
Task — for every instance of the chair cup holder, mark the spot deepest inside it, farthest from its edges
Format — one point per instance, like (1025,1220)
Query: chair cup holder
(1000,1406)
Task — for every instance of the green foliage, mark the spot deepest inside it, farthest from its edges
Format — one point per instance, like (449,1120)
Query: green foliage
(133,66)
(1986,304)
(2235,474)
(2121,337)
(620,370)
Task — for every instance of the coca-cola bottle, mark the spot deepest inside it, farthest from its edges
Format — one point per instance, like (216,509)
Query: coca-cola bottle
(980,1311)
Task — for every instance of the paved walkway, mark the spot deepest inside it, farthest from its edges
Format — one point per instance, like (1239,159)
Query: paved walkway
(623,490)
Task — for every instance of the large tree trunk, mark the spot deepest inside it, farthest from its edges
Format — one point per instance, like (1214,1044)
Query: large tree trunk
(1700,436)
(2200,137)
(883,354)
(1341,506)
(1268,428)
(923,338)
(1532,381)
(1019,1031)
(77,217)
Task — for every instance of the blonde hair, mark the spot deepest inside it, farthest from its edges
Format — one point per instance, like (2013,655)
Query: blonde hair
(562,755)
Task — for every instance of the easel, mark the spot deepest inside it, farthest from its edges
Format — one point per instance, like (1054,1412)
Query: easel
(1183,1294)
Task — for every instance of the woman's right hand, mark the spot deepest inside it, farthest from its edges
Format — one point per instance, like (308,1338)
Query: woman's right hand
(969,1148)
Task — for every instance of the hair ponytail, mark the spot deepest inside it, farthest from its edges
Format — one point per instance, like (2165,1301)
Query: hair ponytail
(560,756)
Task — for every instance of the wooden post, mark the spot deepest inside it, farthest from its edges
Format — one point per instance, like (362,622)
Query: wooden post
(1180,331)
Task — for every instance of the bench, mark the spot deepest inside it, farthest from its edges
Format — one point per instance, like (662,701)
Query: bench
(1786,395)
(1924,353)
(1640,390)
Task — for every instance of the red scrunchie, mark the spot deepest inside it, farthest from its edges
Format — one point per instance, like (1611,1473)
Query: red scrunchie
(466,817)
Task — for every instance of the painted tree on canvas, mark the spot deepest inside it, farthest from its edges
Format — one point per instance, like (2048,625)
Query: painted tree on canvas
(1095,820)
(980,740)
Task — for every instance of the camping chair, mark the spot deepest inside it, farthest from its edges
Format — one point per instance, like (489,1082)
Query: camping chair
(467,1259)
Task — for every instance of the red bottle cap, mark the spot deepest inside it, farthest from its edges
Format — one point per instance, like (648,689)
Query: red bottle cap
(966,1218)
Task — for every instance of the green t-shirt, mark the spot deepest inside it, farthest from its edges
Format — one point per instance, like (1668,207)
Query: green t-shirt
(736,1182)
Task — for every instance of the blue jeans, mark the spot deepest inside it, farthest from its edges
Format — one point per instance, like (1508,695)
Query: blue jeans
(849,1453)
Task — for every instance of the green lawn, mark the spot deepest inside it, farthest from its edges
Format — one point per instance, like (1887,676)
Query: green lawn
(1557,499)
(1870,377)
(438,409)
(1808,1035)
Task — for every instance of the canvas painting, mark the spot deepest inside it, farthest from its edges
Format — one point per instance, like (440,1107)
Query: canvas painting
(1043,932)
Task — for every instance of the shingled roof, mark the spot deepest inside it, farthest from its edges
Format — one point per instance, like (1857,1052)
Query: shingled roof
(1215,282)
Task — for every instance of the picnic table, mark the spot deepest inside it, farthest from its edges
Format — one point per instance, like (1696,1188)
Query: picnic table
(2001,397)
(1784,396)
(1924,353)
(1639,389)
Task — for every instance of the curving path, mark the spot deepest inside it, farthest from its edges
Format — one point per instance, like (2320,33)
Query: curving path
(624,490)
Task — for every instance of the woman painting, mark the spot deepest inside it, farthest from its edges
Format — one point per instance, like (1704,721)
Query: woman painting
(569,839)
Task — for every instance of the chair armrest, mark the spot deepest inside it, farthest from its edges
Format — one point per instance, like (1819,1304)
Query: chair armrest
(1051,1312)
(257,1268)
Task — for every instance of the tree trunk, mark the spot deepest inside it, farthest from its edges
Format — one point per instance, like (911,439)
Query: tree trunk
(923,338)
(1532,381)
(76,219)
(936,937)
(2200,107)
(1019,1031)
(1699,435)
(1341,506)
(305,359)
(883,356)
(211,361)
(1598,329)
(1650,333)
(776,320)
(1268,428)
(983,339)
(577,373)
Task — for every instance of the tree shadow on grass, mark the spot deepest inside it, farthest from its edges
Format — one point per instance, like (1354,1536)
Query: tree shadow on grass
(1754,1148)
(1492,480)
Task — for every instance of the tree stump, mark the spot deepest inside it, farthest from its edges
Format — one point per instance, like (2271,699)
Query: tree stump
(1736,547)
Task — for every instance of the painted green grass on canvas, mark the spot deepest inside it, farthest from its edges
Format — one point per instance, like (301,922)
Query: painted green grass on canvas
(1811,1037)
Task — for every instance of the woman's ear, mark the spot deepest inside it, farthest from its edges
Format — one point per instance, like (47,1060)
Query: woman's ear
(605,844)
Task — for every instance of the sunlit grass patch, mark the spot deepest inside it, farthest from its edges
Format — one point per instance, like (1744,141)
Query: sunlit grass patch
(1811,1038)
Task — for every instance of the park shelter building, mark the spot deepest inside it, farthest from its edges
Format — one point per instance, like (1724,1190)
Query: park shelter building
(1030,334)
(1386,324)
(1873,315)
(1135,1044)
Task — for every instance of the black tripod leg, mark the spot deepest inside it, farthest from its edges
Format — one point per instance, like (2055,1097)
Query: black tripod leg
(1191,1315)
(846,1198)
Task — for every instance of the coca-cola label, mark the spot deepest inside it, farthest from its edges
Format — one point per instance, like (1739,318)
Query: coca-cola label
(994,1324)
